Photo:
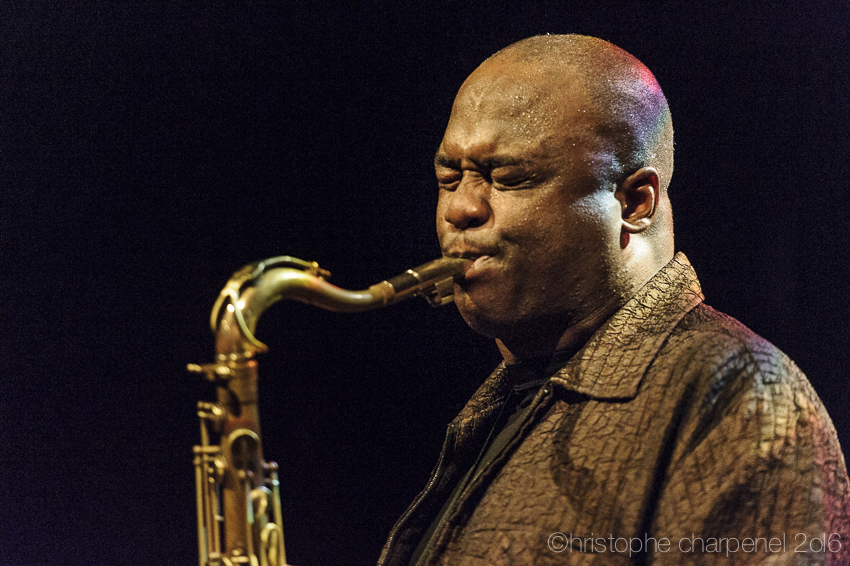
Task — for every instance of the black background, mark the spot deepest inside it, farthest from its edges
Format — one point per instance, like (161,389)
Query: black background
(149,149)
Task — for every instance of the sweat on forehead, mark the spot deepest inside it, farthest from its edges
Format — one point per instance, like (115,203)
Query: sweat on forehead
(625,95)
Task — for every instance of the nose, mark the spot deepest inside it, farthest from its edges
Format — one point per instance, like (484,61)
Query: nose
(467,206)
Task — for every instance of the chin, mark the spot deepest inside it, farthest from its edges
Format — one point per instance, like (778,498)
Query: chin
(478,320)
(492,322)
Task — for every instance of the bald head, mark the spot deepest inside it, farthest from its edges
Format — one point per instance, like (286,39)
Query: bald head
(629,108)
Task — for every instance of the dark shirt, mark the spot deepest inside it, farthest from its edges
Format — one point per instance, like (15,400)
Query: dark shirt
(525,378)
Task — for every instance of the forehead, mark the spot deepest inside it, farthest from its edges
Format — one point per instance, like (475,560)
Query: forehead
(519,104)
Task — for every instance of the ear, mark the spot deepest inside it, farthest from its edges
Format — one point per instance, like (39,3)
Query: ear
(638,196)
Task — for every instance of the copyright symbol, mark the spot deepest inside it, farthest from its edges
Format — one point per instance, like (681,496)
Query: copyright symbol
(558,542)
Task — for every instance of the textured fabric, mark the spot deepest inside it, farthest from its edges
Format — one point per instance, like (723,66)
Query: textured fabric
(675,436)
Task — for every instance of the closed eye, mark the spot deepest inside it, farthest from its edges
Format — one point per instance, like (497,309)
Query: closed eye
(503,173)
(512,177)
(448,179)
(508,182)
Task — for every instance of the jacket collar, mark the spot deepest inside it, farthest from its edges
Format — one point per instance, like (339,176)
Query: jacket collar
(615,359)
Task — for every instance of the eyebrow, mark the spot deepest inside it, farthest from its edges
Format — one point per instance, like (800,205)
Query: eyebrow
(444,160)
(492,162)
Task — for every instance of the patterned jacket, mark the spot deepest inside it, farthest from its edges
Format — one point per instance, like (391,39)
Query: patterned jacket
(674,436)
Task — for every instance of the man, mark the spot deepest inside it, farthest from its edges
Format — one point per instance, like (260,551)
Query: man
(629,423)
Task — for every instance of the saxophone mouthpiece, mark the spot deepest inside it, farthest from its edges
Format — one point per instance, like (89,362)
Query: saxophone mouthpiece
(433,280)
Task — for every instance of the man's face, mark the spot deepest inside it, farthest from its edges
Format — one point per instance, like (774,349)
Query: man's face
(522,191)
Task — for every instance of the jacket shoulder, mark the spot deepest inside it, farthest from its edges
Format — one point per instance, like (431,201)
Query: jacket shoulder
(752,432)
(719,343)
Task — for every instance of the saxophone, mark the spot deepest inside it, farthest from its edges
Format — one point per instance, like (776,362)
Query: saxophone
(237,491)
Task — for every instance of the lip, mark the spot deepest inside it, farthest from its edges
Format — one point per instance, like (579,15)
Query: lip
(481,260)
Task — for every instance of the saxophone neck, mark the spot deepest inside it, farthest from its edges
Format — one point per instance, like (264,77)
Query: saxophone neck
(255,287)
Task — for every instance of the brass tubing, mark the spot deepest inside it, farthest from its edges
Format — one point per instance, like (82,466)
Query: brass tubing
(224,486)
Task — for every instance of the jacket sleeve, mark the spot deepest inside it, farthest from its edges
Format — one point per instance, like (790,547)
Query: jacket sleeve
(756,475)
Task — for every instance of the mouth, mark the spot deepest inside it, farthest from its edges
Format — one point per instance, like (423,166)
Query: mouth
(479,259)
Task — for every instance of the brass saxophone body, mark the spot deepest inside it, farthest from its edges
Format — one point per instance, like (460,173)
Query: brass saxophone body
(238,492)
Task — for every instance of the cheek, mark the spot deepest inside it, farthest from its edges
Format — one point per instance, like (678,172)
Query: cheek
(599,218)
(597,207)
(582,232)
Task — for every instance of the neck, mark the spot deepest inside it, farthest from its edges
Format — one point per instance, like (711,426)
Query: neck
(537,343)
(542,338)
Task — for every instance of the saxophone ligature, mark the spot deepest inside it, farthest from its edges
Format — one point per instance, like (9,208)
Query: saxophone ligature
(237,491)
